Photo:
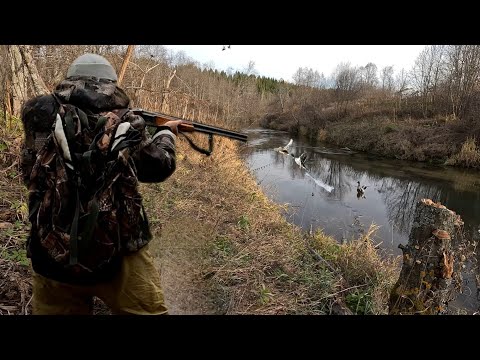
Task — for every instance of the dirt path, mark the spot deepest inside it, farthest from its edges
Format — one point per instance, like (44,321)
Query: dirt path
(179,257)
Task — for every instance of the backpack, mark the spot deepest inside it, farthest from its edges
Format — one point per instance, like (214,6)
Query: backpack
(85,208)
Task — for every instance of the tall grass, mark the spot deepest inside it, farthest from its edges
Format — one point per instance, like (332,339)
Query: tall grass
(15,291)
(366,272)
(468,156)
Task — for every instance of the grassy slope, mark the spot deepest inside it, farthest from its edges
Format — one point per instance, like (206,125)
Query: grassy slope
(225,248)
(376,130)
(221,245)
(420,140)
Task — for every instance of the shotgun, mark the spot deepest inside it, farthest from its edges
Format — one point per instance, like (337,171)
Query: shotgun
(156,119)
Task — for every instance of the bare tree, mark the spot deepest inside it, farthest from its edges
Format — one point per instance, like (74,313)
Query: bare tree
(128,54)
(310,78)
(347,84)
(463,70)
(426,76)
(387,78)
(25,79)
(166,93)
(367,76)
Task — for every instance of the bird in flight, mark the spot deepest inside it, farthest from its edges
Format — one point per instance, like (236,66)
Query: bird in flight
(285,148)
(301,160)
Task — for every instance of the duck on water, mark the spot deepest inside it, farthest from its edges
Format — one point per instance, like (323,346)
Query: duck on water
(361,190)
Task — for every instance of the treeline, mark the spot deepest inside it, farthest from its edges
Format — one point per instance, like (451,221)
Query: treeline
(440,94)
(156,79)
(444,82)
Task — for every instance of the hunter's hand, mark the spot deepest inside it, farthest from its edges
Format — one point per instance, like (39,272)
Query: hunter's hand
(173,125)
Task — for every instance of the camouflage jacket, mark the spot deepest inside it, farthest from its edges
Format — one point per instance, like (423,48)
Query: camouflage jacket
(154,160)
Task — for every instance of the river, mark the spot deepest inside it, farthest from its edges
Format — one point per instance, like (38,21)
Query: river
(393,188)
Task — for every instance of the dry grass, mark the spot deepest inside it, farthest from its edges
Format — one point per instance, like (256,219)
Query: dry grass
(322,135)
(225,248)
(407,139)
(468,156)
(365,270)
(217,215)
(15,286)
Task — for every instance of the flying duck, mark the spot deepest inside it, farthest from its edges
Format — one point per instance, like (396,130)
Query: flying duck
(285,148)
(301,160)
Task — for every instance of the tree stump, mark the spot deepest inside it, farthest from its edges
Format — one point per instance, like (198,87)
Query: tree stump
(428,278)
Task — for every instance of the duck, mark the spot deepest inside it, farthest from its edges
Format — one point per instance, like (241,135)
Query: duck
(360,189)
(285,148)
(301,160)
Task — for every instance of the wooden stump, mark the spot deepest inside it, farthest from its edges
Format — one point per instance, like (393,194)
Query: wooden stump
(430,262)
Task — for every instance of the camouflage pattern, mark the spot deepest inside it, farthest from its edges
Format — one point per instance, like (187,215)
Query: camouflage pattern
(95,95)
(51,184)
(108,180)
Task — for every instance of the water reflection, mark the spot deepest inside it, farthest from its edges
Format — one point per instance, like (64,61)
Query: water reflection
(395,185)
(401,197)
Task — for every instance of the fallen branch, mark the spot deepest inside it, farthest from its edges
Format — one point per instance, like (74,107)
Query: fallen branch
(319,257)
(8,308)
(343,290)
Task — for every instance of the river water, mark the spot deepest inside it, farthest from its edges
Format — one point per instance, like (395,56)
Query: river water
(393,188)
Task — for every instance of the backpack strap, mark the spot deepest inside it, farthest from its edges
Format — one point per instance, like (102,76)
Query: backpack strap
(65,136)
(86,235)
(74,232)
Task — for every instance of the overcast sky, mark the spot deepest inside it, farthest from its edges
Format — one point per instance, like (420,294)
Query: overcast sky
(281,61)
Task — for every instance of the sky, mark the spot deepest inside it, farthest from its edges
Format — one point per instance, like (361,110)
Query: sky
(281,61)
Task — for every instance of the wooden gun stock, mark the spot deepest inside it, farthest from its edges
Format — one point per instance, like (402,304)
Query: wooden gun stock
(161,119)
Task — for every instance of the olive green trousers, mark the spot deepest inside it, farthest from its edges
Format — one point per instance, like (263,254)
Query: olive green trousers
(136,290)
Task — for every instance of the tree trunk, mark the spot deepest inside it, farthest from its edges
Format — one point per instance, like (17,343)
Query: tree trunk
(128,54)
(139,92)
(184,113)
(38,85)
(8,99)
(19,82)
(428,277)
(24,72)
(166,94)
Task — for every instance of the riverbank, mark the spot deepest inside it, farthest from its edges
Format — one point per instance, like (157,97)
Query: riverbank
(436,140)
(221,245)
(420,140)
